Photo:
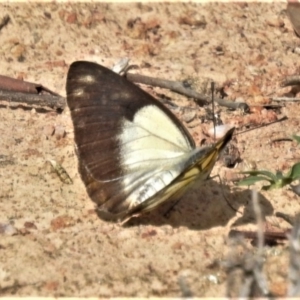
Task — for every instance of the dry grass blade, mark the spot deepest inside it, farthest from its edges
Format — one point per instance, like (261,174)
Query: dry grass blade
(294,268)
(245,268)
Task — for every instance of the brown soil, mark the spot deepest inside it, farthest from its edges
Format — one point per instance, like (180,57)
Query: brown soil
(55,244)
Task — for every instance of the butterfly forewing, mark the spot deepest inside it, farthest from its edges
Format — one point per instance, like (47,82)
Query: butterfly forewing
(130,146)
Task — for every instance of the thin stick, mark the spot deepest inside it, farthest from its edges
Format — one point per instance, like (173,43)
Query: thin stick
(260,278)
(285,99)
(264,125)
(227,201)
(294,267)
(251,278)
(259,221)
(16,85)
(57,102)
(175,86)
(270,237)
(178,87)
(285,217)
(5,20)
(291,80)
(284,139)
(213,107)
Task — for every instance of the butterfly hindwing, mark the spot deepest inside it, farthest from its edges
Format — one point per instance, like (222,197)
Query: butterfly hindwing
(195,170)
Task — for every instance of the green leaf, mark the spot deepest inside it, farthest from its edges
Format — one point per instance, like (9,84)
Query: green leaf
(286,181)
(296,138)
(279,175)
(276,181)
(268,187)
(277,185)
(282,182)
(262,173)
(294,172)
(252,179)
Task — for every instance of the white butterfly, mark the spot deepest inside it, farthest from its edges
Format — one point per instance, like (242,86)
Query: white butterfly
(133,152)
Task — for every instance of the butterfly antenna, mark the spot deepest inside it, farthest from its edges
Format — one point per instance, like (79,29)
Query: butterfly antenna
(212,85)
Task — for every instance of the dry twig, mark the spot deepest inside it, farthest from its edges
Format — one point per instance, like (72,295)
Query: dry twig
(5,20)
(57,102)
(294,268)
(285,99)
(291,80)
(16,85)
(245,271)
(178,87)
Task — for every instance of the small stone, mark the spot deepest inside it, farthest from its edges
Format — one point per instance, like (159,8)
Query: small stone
(60,132)
(8,229)
(274,22)
(71,18)
(30,225)
(62,222)
(48,130)
(188,116)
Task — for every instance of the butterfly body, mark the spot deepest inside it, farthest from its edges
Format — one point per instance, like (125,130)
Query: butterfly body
(134,154)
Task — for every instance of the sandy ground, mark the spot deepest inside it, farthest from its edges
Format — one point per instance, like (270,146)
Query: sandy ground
(51,241)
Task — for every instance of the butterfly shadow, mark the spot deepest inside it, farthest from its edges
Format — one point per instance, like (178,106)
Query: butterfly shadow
(205,207)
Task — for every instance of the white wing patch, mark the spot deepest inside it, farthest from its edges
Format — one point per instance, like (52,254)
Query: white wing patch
(151,135)
(158,123)
(152,186)
(153,152)
(150,139)
(140,145)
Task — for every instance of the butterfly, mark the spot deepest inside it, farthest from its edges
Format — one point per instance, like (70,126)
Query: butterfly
(134,154)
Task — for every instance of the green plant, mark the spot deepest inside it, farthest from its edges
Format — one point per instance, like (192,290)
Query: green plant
(277,180)
(296,138)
